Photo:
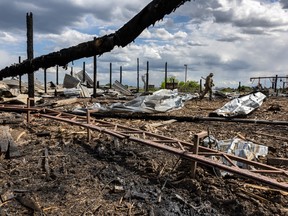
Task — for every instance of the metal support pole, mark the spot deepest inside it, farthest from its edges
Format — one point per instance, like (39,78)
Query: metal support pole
(88,122)
(110,82)
(94,75)
(57,75)
(45,80)
(20,77)
(121,74)
(275,90)
(83,72)
(195,148)
(166,77)
(137,74)
(185,79)
(147,78)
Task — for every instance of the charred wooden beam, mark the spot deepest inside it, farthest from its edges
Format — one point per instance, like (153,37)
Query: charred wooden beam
(149,15)
(30,55)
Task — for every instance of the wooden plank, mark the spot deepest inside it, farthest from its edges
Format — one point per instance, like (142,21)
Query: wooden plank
(7,144)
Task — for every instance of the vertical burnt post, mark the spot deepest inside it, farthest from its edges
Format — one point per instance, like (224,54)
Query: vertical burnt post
(195,149)
(239,87)
(83,79)
(200,87)
(166,77)
(30,55)
(185,77)
(20,77)
(147,78)
(137,74)
(57,75)
(45,80)
(121,74)
(94,75)
(275,85)
(71,72)
(110,82)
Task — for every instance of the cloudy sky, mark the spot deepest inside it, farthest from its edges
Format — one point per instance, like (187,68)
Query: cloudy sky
(235,39)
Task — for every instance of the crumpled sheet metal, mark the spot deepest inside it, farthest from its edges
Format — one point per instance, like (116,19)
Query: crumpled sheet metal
(163,100)
(244,149)
(241,106)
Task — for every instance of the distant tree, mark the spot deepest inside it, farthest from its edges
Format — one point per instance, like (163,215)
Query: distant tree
(169,80)
(189,86)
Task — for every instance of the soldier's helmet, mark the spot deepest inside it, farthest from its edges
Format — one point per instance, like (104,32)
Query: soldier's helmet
(211,74)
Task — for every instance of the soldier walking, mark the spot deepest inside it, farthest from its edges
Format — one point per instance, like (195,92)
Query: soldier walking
(208,87)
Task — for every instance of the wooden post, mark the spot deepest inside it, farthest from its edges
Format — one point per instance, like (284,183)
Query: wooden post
(30,55)
(197,138)
(57,75)
(121,74)
(29,102)
(20,77)
(137,74)
(275,90)
(110,82)
(83,72)
(200,85)
(165,82)
(88,122)
(45,80)
(147,78)
(71,73)
(94,75)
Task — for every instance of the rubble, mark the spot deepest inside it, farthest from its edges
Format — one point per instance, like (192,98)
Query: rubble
(59,172)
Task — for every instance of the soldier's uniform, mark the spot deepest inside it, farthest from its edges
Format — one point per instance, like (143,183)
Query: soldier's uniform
(208,87)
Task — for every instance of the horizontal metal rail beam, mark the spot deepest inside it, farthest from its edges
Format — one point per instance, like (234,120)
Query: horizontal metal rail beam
(164,143)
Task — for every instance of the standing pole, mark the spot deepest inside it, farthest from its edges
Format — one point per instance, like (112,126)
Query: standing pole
(71,73)
(147,78)
(185,79)
(83,72)
(45,80)
(121,74)
(200,85)
(94,75)
(57,75)
(275,85)
(110,83)
(30,55)
(20,77)
(137,74)
(165,82)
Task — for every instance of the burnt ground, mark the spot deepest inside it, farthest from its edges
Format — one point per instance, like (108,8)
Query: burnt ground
(98,178)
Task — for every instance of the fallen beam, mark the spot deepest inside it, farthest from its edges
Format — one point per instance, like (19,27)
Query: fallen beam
(187,118)
(149,15)
(277,161)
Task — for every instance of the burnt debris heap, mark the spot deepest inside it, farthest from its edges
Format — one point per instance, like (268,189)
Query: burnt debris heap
(149,15)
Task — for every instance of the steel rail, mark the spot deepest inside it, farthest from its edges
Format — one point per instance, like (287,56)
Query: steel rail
(128,133)
(164,143)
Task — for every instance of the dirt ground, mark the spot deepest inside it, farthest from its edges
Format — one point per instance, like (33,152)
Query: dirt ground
(60,173)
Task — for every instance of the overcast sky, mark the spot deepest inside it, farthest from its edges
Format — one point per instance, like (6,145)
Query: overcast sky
(234,39)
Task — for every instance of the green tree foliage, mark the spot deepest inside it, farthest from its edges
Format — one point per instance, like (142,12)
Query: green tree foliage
(189,86)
